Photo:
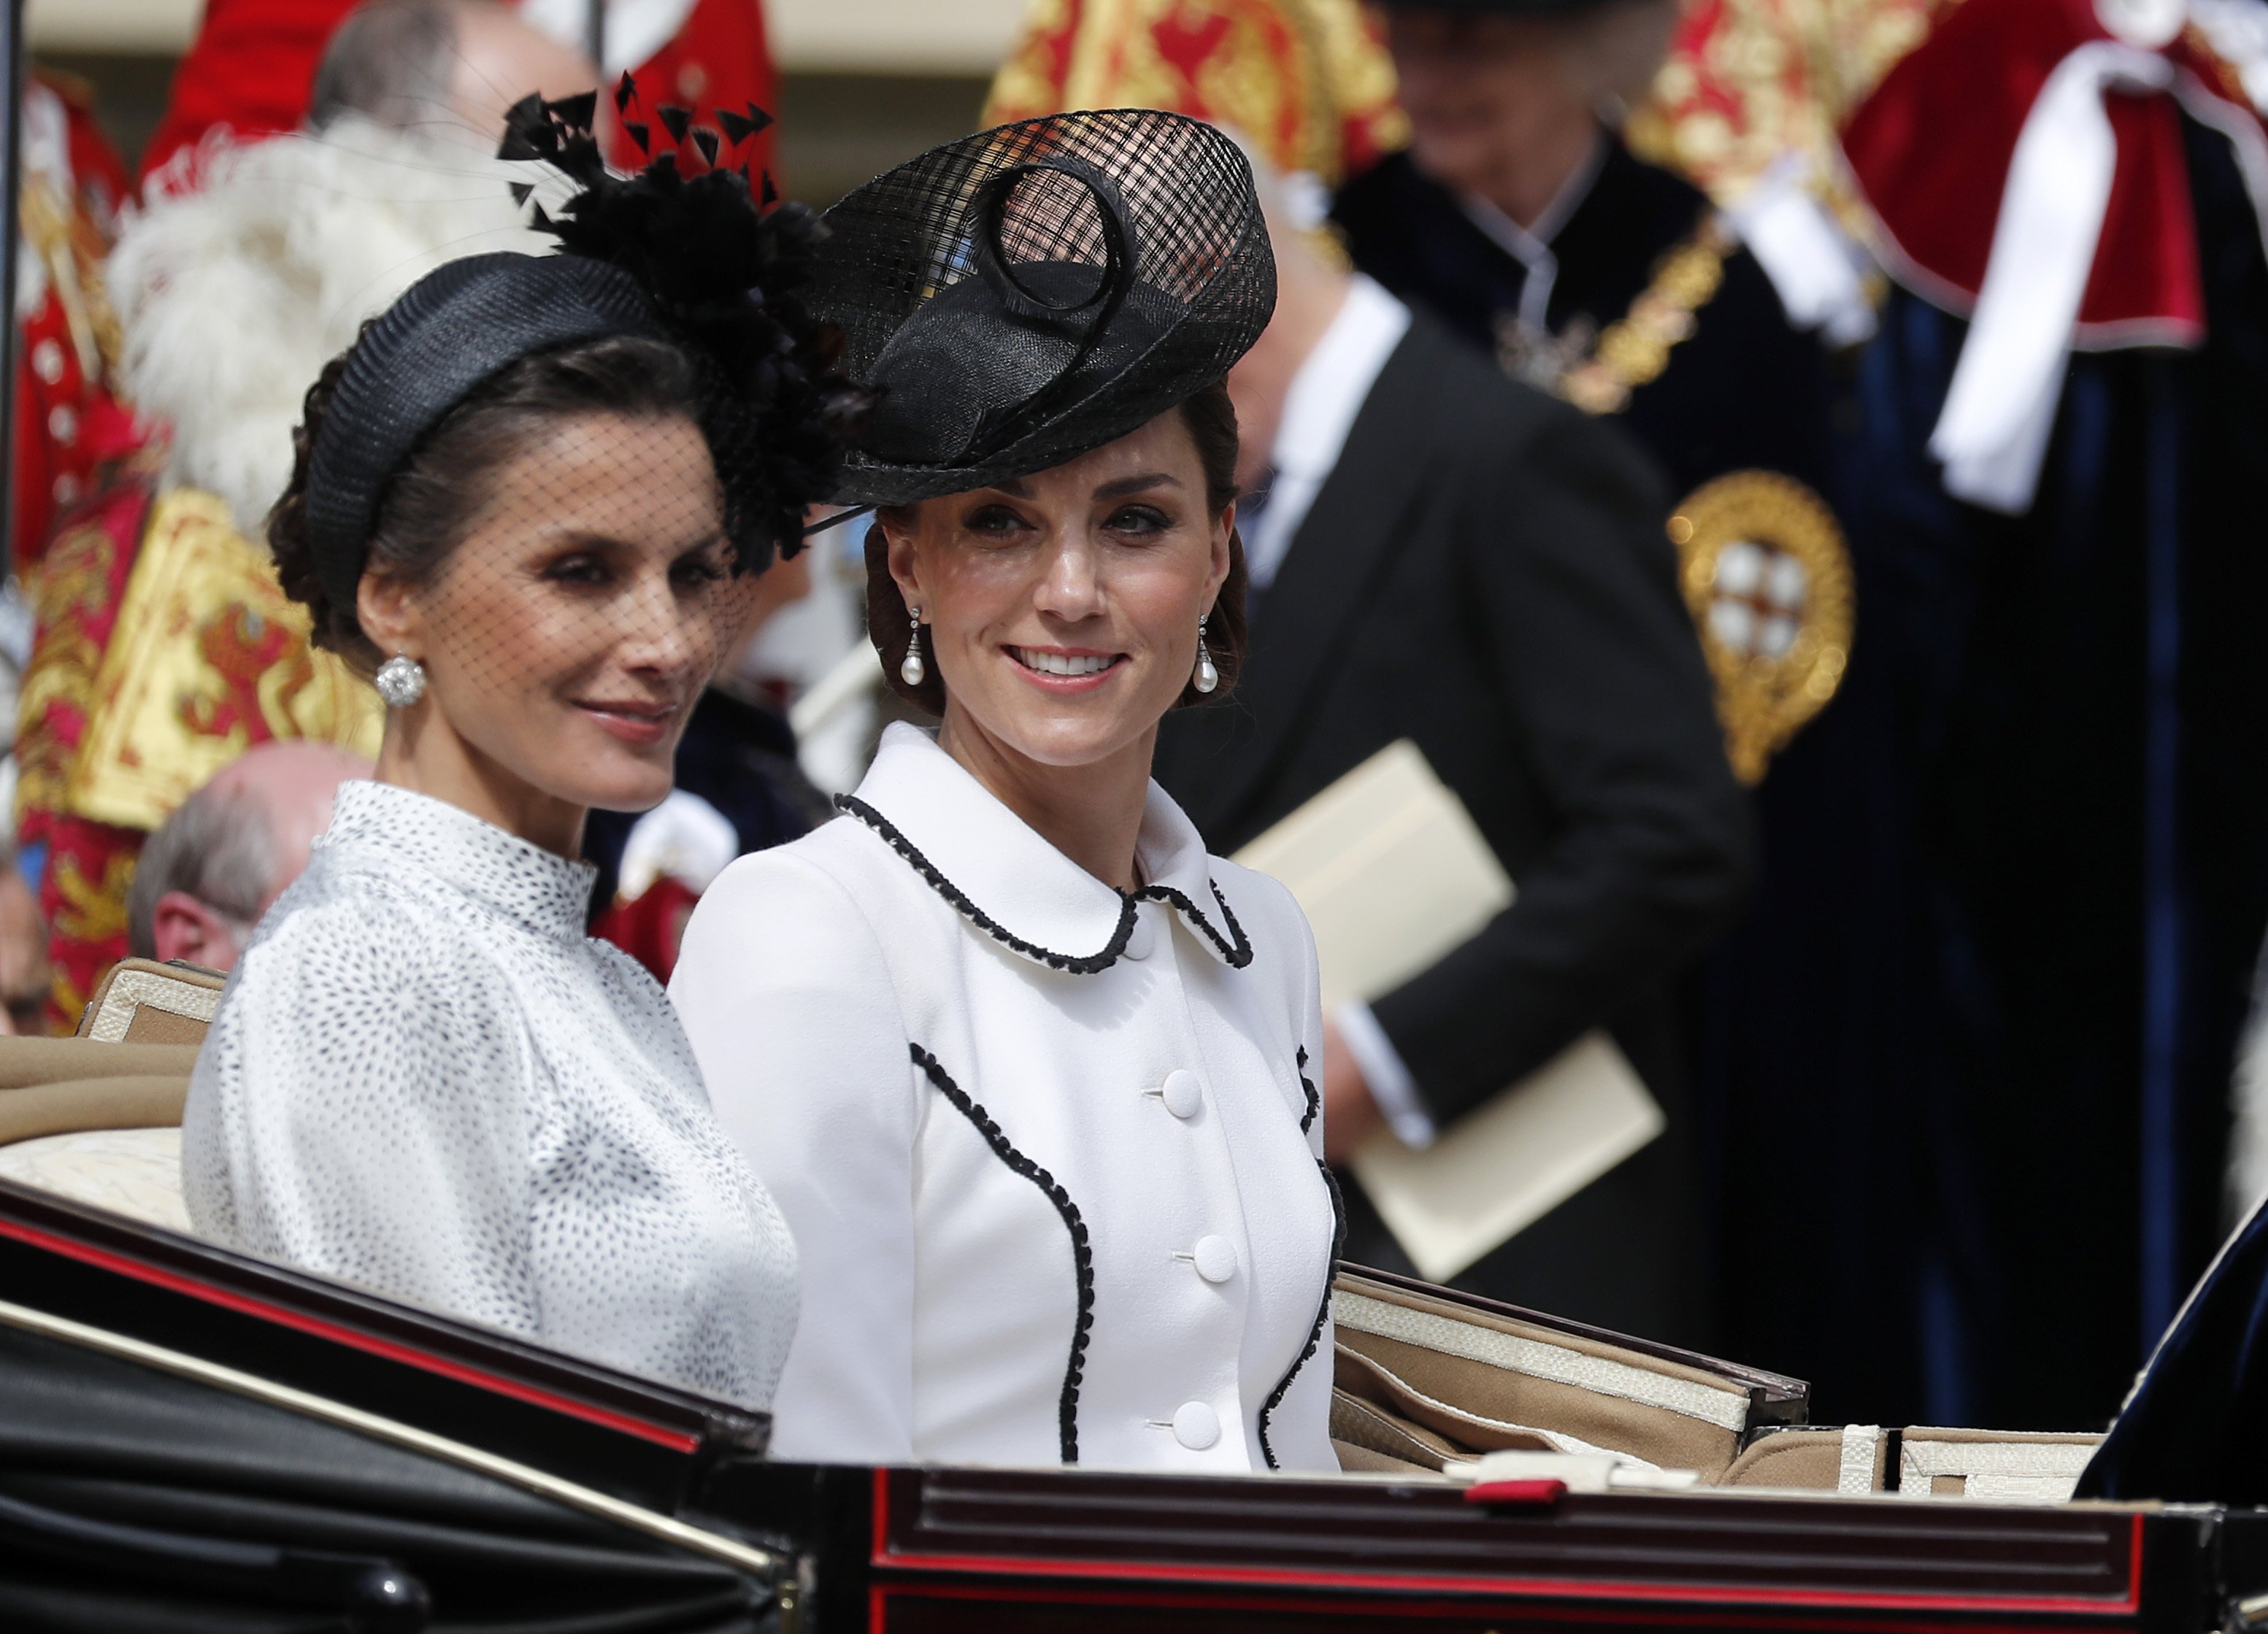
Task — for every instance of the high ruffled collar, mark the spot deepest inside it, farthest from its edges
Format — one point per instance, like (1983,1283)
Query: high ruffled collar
(1009,882)
(503,873)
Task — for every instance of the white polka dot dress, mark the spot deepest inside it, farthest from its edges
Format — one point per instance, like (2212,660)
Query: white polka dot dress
(425,1079)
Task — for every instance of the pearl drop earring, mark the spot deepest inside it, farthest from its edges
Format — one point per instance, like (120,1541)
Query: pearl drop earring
(1207,676)
(913,671)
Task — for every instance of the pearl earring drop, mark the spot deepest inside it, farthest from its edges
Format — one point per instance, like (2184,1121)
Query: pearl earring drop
(913,671)
(1207,676)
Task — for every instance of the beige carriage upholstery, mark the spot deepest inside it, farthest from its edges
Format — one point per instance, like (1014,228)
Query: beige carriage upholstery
(143,1002)
(1423,1381)
(2002,1466)
(97,1117)
(1426,1382)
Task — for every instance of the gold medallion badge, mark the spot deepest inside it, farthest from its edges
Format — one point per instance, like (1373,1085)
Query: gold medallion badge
(1768,579)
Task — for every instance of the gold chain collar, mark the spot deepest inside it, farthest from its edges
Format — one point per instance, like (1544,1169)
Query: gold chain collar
(1599,377)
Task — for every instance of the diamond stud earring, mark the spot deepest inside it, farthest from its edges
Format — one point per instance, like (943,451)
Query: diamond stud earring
(1207,676)
(401,682)
(913,670)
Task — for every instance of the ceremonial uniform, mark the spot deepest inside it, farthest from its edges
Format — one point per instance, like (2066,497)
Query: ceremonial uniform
(1306,81)
(164,649)
(68,420)
(1632,299)
(250,72)
(2078,877)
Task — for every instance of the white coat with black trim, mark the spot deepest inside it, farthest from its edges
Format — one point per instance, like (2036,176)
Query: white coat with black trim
(1051,1153)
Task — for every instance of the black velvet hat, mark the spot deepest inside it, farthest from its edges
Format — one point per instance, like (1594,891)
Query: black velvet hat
(1025,295)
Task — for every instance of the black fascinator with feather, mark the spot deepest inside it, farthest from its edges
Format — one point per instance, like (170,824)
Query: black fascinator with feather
(692,261)
(727,274)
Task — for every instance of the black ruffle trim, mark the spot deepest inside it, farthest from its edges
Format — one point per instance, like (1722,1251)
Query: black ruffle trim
(1234,947)
(1082,1256)
(1323,1311)
(1314,1096)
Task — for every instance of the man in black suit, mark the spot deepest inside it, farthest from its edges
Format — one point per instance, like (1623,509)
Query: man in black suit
(1449,556)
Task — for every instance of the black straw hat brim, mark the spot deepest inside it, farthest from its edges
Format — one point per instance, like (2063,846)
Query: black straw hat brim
(1031,293)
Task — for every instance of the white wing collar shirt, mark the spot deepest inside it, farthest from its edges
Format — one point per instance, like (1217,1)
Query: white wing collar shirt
(1051,1153)
(425,1078)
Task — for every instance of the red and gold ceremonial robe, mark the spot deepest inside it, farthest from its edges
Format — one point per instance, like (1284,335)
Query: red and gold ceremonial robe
(164,648)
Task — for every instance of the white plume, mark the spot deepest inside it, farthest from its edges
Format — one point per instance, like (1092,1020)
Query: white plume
(233,297)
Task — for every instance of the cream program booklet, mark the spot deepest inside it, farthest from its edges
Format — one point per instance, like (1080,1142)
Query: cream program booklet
(1393,874)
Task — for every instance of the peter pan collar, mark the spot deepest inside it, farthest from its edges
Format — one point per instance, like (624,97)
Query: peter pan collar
(501,872)
(1009,883)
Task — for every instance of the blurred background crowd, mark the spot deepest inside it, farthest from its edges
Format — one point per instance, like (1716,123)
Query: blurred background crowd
(1934,334)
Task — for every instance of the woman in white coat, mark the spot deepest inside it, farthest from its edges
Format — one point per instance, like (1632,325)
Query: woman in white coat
(1028,1072)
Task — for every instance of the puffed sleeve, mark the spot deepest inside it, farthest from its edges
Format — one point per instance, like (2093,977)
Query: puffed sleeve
(784,994)
(362,1108)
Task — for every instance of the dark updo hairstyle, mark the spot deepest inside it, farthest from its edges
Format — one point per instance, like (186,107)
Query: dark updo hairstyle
(433,502)
(1211,420)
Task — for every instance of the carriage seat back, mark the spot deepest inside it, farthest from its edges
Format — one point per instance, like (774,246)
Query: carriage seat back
(1426,1379)
(97,1117)
(143,1002)
(2003,1466)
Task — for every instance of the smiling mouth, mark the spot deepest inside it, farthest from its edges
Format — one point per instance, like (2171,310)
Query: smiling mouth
(637,722)
(1071,664)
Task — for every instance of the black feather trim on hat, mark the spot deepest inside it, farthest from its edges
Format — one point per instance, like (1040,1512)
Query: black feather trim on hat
(726,278)
(688,261)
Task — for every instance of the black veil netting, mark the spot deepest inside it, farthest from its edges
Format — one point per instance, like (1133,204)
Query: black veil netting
(1028,294)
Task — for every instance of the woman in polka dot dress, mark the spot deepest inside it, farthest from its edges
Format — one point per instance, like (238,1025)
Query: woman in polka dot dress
(520,501)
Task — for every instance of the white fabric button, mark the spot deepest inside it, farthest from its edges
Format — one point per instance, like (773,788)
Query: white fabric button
(1196,1425)
(47,361)
(1143,941)
(1216,1259)
(1184,1097)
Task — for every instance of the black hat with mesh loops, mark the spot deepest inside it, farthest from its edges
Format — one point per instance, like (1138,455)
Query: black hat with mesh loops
(1026,295)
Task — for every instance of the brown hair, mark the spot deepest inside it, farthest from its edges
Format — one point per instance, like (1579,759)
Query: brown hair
(1211,420)
(433,502)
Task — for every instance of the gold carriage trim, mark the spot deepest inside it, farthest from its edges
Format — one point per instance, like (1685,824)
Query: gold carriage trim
(1767,578)
(1634,349)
